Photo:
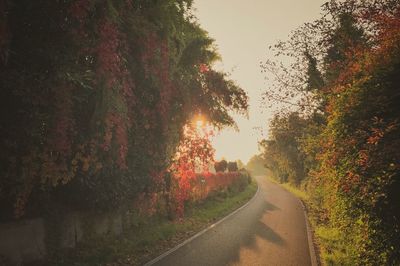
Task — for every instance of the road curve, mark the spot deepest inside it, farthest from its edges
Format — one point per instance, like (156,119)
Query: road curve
(270,230)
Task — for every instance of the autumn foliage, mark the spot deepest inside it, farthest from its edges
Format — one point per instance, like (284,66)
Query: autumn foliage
(95,99)
(343,149)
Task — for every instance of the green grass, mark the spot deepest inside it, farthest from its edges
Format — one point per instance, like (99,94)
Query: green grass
(330,245)
(150,238)
(218,207)
(333,247)
(294,190)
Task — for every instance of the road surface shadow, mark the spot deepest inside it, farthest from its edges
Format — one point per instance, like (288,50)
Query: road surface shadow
(243,232)
(267,233)
(259,230)
(270,207)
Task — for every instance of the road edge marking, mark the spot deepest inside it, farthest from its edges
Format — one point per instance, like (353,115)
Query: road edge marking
(165,254)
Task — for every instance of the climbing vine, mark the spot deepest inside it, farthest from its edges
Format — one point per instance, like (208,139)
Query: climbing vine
(96,97)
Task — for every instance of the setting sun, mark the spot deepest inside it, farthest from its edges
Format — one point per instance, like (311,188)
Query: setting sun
(200,123)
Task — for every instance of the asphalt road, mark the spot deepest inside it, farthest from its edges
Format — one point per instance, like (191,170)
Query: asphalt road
(270,230)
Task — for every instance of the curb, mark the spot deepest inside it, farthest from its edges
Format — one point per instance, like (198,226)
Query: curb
(201,232)
(313,256)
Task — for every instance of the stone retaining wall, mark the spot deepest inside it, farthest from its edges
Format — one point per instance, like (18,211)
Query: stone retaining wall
(30,240)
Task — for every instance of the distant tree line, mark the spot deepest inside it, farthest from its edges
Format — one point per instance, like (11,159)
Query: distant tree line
(257,165)
(223,165)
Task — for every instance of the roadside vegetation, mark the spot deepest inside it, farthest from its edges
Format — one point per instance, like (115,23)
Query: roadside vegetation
(337,143)
(109,106)
(105,101)
(148,238)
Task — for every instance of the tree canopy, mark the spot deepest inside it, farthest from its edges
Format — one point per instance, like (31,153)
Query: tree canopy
(96,95)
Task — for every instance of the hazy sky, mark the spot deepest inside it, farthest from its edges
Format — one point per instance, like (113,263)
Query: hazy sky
(243,30)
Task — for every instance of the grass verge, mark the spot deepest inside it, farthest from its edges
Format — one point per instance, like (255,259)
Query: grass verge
(151,238)
(328,240)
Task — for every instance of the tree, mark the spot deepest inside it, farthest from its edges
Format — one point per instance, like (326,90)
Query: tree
(256,165)
(345,149)
(232,166)
(240,164)
(96,96)
(282,151)
(346,37)
(221,166)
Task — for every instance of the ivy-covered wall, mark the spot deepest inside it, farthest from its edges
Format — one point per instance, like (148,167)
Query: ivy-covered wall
(94,99)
